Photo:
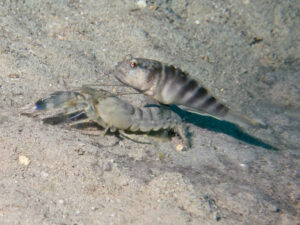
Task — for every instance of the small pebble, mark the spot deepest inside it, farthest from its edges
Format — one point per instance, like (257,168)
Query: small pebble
(197,21)
(44,174)
(107,166)
(141,3)
(14,76)
(60,201)
(243,165)
(179,147)
(23,160)
(123,181)
(217,216)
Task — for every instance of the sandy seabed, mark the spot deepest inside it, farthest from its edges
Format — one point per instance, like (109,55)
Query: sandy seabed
(246,52)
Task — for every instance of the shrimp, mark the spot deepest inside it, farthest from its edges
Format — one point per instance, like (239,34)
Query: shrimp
(113,113)
(170,85)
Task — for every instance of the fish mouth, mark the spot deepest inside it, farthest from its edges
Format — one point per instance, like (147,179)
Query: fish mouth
(120,75)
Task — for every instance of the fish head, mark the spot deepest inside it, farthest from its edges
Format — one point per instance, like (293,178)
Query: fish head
(138,73)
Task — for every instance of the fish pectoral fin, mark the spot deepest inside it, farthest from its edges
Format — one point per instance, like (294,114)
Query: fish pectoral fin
(151,101)
(234,117)
(244,121)
(196,111)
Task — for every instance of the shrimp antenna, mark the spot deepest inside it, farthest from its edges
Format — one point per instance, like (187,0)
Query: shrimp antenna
(106,85)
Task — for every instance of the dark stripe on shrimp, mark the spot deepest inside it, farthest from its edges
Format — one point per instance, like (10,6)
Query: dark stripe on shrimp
(139,113)
(149,114)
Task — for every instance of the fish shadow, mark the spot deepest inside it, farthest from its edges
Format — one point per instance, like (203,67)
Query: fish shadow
(220,126)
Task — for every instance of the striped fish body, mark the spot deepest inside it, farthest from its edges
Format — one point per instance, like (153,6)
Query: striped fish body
(170,85)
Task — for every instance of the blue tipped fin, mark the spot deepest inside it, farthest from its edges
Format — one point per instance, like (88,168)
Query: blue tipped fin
(40,105)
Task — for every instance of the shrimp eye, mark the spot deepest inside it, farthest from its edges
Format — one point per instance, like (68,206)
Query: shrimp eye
(133,64)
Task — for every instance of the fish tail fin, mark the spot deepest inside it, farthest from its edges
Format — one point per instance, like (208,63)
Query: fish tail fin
(243,121)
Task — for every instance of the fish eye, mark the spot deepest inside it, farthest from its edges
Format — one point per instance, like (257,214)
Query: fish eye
(133,64)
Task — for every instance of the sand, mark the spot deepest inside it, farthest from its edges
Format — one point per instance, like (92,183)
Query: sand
(246,52)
